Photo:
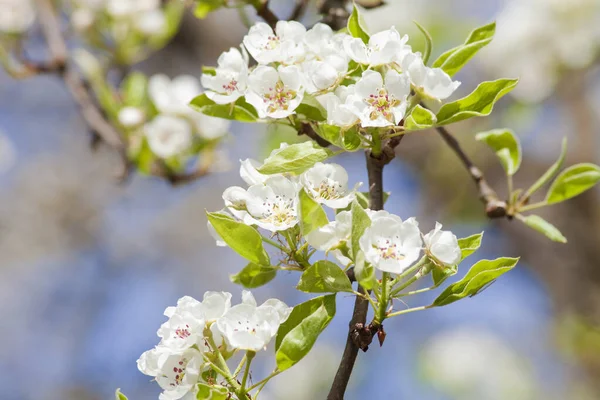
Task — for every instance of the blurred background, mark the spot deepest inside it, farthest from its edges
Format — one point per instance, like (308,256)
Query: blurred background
(88,265)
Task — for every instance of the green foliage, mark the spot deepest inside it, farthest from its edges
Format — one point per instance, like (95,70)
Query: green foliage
(543,226)
(297,335)
(506,145)
(482,274)
(550,173)
(440,274)
(355,26)
(364,272)
(454,59)
(134,90)
(119,395)
(479,103)
(295,158)
(360,222)
(243,239)
(428,42)
(419,118)
(324,277)
(572,182)
(253,276)
(211,392)
(312,215)
(239,111)
(311,108)
(470,244)
(348,139)
(205,7)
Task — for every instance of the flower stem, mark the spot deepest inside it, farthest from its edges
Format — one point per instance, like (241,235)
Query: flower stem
(533,206)
(249,357)
(275,244)
(383,302)
(408,311)
(257,384)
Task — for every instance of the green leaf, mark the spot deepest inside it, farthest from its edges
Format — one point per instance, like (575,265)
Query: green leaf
(134,89)
(541,225)
(238,111)
(253,276)
(205,7)
(312,215)
(312,109)
(119,395)
(428,42)
(479,103)
(470,244)
(440,274)
(351,139)
(550,173)
(331,133)
(324,277)
(572,182)
(454,59)
(419,118)
(482,274)
(211,392)
(355,26)
(243,239)
(364,272)
(297,335)
(506,145)
(295,158)
(360,222)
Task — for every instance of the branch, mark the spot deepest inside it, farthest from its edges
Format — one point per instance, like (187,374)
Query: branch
(334,13)
(299,10)
(494,207)
(263,11)
(307,129)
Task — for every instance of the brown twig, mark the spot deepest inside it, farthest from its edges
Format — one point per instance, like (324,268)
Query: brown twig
(334,13)
(494,207)
(263,11)
(307,129)
(299,10)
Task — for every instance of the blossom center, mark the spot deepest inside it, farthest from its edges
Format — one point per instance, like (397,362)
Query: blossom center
(231,86)
(329,190)
(250,327)
(279,97)
(382,104)
(389,251)
(280,212)
(183,333)
(179,371)
(272,42)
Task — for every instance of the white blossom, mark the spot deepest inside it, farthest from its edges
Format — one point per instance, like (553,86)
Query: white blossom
(230,80)
(383,48)
(338,113)
(131,117)
(275,93)
(326,62)
(130,8)
(151,22)
(248,327)
(328,184)
(172,96)
(377,103)
(168,136)
(433,83)
(16,16)
(249,172)
(330,235)
(273,205)
(442,246)
(284,45)
(390,244)
(209,128)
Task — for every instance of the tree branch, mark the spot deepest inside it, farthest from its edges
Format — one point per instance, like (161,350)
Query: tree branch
(494,207)
(263,11)
(299,10)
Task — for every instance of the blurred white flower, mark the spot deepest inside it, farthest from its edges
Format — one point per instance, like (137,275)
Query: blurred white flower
(230,80)
(151,22)
(168,136)
(284,45)
(275,93)
(172,96)
(130,8)
(328,185)
(131,117)
(442,246)
(16,16)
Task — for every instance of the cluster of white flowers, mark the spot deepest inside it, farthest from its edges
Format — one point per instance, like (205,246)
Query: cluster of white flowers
(16,16)
(271,201)
(145,16)
(194,328)
(293,61)
(172,131)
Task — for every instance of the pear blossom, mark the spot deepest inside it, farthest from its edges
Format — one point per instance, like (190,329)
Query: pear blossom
(130,8)
(17,16)
(247,326)
(442,246)
(284,45)
(338,113)
(151,22)
(168,136)
(249,172)
(172,96)
(433,83)
(328,184)
(332,234)
(390,244)
(275,93)
(326,62)
(207,127)
(131,117)
(272,205)
(230,81)
(383,48)
(377,103)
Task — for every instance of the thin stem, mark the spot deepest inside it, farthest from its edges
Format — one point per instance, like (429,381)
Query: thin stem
(533,206)
(240,366)
(383,302)
(275,244)
(249,357)
(408,311)
(509,183)
(409,271)
(257,384)
(214,366)
(427,289)
(222,365)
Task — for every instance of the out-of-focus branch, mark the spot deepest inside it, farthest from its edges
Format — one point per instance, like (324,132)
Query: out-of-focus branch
(299,10)
(335,13)
(494,207)
(263,11)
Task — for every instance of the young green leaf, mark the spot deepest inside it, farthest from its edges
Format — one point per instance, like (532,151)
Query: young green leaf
(364,272)
(355,26)
(360,222)
(572,182)
(428,42)
(506,145)
(205,7)
(479,276)
(419,118)
(312,215)
(479,103)
(454,59)
(253,276)
(331,133)
(243,239)
(470,244)
(351,139)
(440,274)
(295,158)
(543,226)
(238,111)
(324,277)
(312,109)
(135,89)
(550,173)
(211,392)
(297,335)
(119,395)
